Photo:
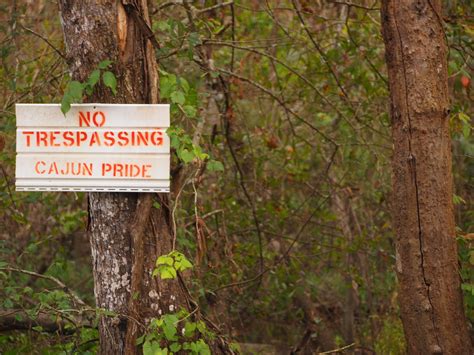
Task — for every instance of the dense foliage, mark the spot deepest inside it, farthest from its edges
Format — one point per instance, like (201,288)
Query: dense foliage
(281,141)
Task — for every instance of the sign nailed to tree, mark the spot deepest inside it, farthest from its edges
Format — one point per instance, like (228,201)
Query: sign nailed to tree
(95,147)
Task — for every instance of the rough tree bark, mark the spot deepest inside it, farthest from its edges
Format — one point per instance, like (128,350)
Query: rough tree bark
(126,233)
(427,265)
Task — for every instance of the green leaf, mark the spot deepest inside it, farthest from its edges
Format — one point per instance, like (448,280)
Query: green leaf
(170,331)
(184,84)
(177,97)
(175,347)
(214,165)
(201,326)
(189,329)
(167,85)
(110,81)
(165,260)
(184,264)
(153,348)
(74,89)
(140,340)
(186,156)
(190,111)
(65,104)
(94,78)
(104,64)
(167,272)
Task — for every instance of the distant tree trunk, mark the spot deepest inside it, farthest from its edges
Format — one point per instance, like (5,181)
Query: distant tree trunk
(126,233)
(427,262)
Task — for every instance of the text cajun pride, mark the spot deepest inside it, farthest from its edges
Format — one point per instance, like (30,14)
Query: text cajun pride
(75,168)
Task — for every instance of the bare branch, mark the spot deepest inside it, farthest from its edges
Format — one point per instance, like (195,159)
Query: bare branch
(45,40)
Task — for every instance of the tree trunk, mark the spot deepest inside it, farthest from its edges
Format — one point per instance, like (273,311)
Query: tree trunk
(427,263)
(126,233)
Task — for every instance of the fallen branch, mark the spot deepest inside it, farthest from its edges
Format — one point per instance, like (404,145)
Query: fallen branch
(21,320)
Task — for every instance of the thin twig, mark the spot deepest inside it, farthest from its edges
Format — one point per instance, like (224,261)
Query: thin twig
(351,4)
(338,350)
(45,40)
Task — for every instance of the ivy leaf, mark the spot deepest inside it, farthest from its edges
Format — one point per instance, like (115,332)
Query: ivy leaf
(167,272)
(153,348)
(184,264)
(186,156)
(190,111)
(177,97)
(104,64)
(184,84)
(167,85)
(175,347)
(74,90)
(94,78)
(170,331)
(110,81)
(140,340)
(165,260)
(65,104)
(189,329)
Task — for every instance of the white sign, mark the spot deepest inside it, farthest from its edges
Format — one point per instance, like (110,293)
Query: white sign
(95,147)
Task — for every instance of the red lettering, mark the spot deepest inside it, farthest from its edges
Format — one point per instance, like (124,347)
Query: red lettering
(123,138)
(41,137)
(27,134)
(106,168)
(118,168)
(94,139)
(101,122)
(87,169)
(81,137)
(52,138)
(84,121)
(68,137)
(156,138)
(145,171)
(109,138)
(142,137)
(53,168)
(38,171)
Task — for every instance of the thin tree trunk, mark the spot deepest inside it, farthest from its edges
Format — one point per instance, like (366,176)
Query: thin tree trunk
(126,233)
(427,263)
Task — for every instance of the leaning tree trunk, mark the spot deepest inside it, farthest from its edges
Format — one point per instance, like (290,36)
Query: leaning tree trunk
(427,264)
(126,233)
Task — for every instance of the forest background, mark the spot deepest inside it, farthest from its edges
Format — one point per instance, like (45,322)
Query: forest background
(284,140)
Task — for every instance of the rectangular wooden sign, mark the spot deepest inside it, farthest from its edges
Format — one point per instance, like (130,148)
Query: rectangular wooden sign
(95,147)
